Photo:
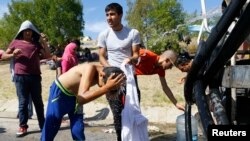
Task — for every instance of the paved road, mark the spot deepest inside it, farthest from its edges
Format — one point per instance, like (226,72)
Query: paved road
(9,125)
(94,130)
(98,120)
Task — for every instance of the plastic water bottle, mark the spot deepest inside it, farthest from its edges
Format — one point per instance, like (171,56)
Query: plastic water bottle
(180,128)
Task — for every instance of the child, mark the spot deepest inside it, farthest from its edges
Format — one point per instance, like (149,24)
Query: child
(73,88)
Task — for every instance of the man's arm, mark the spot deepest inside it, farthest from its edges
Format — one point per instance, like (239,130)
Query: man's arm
(169,94)
(135,55)
(136,44)
(102,57)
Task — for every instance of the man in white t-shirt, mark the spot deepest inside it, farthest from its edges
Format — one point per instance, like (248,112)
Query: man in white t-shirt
(117,44)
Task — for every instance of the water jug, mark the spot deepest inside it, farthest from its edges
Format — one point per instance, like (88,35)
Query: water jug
(180,128)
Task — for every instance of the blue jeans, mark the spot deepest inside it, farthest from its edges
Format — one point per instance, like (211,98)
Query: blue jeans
(30,109)
(29,86)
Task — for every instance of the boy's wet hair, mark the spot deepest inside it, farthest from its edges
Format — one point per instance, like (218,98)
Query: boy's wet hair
(110,70)
(114,6)
(183,58)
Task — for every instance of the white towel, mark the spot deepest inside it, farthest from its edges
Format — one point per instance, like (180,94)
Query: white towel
(134,124)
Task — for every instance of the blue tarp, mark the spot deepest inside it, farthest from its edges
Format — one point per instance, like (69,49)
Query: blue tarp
(196,28)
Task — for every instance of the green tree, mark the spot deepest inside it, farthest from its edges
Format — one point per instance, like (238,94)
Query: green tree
(59,19)
(157,21)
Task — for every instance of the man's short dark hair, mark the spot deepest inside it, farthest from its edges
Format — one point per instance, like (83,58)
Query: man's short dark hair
(114,6)
(183,58)
(110,70)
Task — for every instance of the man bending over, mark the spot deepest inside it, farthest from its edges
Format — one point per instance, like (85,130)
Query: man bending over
(72,89)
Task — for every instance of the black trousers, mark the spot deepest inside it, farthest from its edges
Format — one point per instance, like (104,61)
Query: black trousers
(116,99)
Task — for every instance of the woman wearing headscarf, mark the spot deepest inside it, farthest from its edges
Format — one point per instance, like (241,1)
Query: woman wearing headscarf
(69,58)
(27,73)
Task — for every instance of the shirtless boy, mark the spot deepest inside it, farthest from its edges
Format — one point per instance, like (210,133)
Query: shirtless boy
(72,89)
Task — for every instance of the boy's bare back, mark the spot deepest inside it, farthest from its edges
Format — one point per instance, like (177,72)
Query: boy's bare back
(78,77)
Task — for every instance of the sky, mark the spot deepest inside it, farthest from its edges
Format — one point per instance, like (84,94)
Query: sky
(94,14)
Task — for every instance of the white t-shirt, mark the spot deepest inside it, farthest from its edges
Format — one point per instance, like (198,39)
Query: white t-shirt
(118,44)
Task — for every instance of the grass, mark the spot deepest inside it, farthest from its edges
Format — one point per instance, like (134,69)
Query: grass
(150,87)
